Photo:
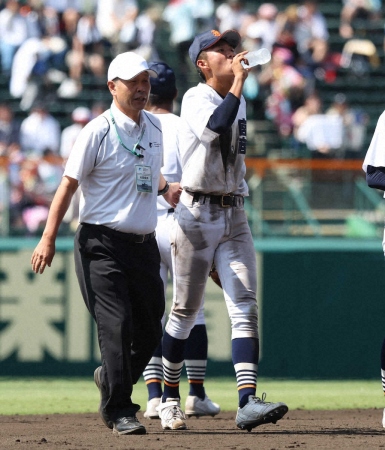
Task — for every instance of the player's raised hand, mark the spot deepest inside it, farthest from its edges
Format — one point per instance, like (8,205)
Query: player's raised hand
(43,255)
(237,67)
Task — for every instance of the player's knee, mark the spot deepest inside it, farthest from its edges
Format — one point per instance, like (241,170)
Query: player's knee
(244,320)
(180,324)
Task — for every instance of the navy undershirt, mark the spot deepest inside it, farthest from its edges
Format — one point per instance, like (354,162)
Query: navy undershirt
(223,117)
(375,177)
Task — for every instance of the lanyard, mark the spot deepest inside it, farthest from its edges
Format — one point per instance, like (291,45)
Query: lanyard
(136,146)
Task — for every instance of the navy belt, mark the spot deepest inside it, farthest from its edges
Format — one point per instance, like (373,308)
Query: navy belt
(225,200)
(128,237)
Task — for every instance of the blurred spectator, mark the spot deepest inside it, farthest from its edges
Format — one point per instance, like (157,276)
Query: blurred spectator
(60,6)
(47,19)
(50,172)
(9,130)
(285,89)
(13,32)
(115,19)
(146,24)
(359,56)
(204,14)
(285,37)
(322,134)
(286,22)
(69,24)
(35,57)
(31,193)
(179,14)
(262,32)
(357,9)
(22,187)
(87,53)
(354,122)
(39,131)
(312,105)
(311,34)
(231,15)
(80,117)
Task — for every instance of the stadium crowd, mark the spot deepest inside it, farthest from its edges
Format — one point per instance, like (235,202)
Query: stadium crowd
(50,48)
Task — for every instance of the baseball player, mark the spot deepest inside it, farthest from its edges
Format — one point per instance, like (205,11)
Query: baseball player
(374,167)
(210,225)
(163,93)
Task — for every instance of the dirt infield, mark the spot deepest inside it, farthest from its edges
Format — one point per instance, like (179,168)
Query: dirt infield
(351,429)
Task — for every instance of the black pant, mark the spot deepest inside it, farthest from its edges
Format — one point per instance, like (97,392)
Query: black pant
(123,290)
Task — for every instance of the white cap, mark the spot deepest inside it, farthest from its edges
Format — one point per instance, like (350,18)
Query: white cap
(128,65)
(81,114)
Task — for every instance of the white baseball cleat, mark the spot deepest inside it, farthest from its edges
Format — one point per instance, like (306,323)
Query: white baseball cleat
(171,415)
(383,418)
(197,407)
(258,412)
(152,409)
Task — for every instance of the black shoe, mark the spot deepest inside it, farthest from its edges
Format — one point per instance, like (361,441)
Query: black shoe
(128,425)
(98,383)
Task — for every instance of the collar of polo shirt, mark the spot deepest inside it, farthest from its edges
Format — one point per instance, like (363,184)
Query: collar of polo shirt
(126,124)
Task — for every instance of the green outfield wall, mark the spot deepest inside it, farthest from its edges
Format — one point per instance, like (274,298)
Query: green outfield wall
(321,305)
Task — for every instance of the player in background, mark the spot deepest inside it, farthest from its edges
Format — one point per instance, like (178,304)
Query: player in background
(374,167)
(162,95)
(210,225)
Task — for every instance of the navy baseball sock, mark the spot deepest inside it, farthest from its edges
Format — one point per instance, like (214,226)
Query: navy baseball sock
(173,351)
(153,374)
(245,352)
(196,360)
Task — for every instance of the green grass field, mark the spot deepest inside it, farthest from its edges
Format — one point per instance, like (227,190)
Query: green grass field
(49,396)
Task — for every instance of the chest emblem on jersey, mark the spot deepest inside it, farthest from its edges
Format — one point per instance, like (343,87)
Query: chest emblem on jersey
(154,144)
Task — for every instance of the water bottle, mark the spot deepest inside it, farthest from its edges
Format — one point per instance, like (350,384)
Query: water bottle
(261,56)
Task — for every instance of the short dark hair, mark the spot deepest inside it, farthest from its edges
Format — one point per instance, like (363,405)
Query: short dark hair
(157,100)
(202,55)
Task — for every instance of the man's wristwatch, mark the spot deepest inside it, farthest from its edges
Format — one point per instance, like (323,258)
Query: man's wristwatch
(165,189)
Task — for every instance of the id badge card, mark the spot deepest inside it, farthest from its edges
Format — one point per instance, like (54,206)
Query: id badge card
(143,178)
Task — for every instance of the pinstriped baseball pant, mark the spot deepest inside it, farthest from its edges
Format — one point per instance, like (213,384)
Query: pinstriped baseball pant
(203,233)
(165,222)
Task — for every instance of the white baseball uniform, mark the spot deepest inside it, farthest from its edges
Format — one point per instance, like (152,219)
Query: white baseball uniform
(375,156)
(205,229)
(172,172)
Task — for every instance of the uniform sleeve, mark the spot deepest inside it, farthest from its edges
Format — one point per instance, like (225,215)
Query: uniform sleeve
(375,155)
(197,108)
(224,115)
(83,156)
(375,177)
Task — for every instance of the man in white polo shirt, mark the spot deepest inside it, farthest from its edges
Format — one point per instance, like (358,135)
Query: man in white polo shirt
(116,160)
